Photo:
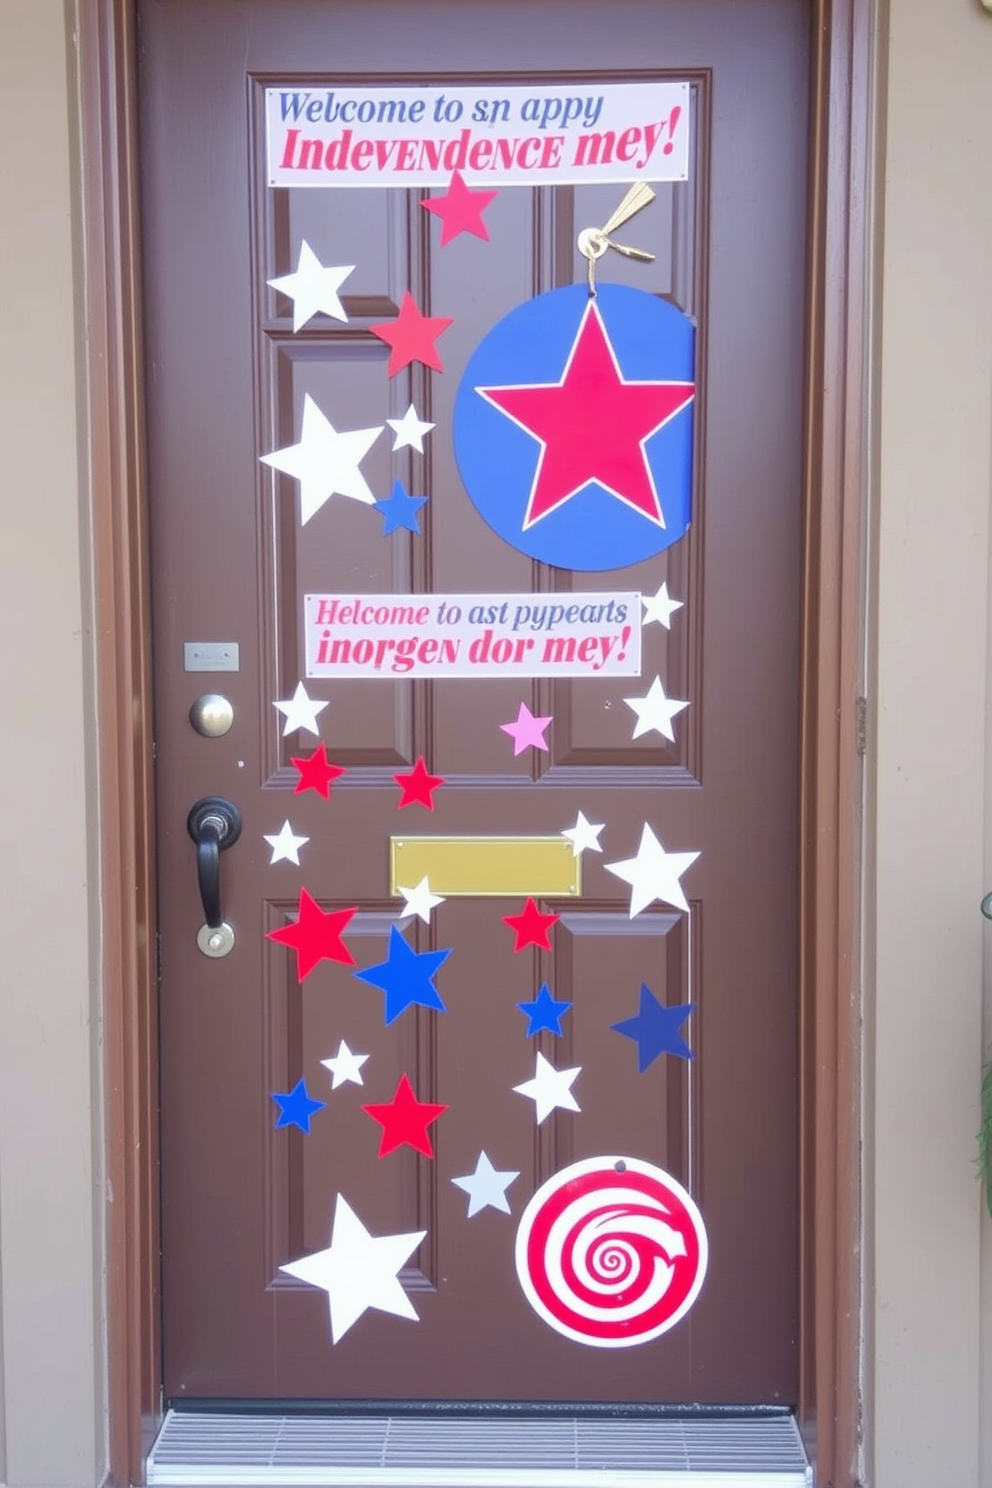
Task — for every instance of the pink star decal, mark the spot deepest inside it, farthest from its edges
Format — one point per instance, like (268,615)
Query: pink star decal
(527,731)
(460,209)
(411,336)
(592,425)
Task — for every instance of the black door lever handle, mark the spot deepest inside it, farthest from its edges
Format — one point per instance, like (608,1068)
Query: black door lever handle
(214,823)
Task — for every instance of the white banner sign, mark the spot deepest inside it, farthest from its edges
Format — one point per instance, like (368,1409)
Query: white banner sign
(416,136)
(473,635)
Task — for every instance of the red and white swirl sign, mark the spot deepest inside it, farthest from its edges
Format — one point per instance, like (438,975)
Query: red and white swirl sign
(611,1252)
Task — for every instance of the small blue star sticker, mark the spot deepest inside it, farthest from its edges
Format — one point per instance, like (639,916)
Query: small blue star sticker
(400,510)
(544,1012)
(296,1107)
(406,976)
(655,1029)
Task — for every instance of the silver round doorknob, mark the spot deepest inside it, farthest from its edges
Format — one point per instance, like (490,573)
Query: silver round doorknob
(211,715)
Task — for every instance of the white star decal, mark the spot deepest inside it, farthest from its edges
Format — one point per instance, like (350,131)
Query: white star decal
(345,1067)
(325,462)
(300,712)
(285,845)
(653,874)
(584,835)
(419,901)
(550,1088)
(409,430)
(659,607)
(313,287)
(655,711)
(358,1270)
(486,1188)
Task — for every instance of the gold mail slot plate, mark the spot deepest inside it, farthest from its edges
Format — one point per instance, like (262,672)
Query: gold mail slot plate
(486,867)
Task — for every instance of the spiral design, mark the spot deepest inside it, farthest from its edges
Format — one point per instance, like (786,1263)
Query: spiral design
(611,1252)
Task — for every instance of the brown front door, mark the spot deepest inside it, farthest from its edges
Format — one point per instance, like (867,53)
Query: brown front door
(227,378)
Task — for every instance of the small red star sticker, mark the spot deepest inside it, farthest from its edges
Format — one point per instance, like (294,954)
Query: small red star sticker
(418,786)
(411,336)
(315,936)
(404,1121)
(531,927)
(316,773)
(460,210)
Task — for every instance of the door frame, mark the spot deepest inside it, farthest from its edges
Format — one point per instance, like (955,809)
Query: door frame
(837,416)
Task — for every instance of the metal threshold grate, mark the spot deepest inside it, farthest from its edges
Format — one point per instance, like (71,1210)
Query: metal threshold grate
(425,1452)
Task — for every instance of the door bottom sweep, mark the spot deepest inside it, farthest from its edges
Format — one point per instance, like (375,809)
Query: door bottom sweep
(200,1449)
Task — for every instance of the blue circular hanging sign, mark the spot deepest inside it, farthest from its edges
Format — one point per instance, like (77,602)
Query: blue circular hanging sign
(573,427)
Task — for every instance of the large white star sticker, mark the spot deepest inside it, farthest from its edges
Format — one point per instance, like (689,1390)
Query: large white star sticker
(358,1270)
(550,1088)
(653,874)
(345,1066)
(285,845)
(655,711)
(584,835)
(659,607)
(313,287)
(419,901)
(486,1188)
(300,712)
(409,430)
(325,462)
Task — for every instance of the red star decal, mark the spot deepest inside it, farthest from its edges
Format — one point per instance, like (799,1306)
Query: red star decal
(404,1121)
(460,210)
(411,336)
(315,936)
(592,426)
(531,927)
(418,786)
(316,773)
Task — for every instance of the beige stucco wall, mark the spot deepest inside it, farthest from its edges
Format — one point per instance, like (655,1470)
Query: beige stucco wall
(52,1420)
(930,1326)
(928,1364)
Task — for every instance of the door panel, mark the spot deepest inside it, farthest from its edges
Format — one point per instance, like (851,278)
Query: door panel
(226,382)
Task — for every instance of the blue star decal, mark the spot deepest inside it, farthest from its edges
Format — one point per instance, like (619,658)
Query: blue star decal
(400,510)
(655,1029)
(406,976)
(296,1107)
(544,1012)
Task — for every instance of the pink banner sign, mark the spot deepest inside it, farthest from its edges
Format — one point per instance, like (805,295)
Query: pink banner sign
(473,635)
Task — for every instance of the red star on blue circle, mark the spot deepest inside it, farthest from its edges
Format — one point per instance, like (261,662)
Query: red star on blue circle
(592,425)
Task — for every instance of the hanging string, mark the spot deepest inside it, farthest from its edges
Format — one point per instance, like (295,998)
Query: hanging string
(594,241)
